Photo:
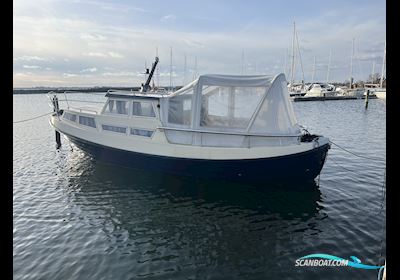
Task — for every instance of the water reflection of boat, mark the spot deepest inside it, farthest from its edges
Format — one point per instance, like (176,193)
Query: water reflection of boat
(287,200)
(169,226)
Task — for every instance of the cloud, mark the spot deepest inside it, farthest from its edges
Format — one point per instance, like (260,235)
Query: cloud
(69,75)
(45,39)
(107,54)
(95,54)
(23,74)
(120,74)
(115,55)
(89,70)
(31,66)
(168,18)
(167,74)
(29,58)
(92,37)
(193,43)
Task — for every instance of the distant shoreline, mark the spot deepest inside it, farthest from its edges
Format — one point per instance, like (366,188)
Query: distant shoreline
(74,89)
(61,90)
(41,90)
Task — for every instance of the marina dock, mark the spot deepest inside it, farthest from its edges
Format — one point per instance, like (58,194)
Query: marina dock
(326,98)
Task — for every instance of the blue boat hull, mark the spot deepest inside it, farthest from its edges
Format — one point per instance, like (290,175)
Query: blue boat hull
(301,166)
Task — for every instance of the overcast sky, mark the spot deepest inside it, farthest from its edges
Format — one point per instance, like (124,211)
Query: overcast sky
(108,43)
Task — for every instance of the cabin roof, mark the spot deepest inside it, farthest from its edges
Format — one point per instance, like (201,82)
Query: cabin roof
(135,94)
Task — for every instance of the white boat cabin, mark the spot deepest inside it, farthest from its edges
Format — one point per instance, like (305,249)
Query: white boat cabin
(213,110)
(231,111)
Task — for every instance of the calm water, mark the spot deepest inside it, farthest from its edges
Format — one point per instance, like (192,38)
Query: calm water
(78,219)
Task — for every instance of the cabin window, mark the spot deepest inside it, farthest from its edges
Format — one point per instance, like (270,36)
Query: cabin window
(88,121)
(69,116)
(117,107)
(230,108)
(144,109)
(180,107)
(113,128)
(180,110)
(142,132)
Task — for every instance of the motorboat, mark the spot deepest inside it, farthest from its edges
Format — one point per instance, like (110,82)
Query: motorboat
(379,92)
(351,92)
(229,127)
(321,90)
(296,90)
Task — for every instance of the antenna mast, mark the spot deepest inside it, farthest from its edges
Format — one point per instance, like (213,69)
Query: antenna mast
(146,86)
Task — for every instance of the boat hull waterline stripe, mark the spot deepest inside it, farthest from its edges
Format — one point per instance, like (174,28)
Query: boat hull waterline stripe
(303,166)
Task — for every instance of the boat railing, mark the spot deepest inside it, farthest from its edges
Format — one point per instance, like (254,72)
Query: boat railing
(83,109)
(80,109)
(65,96)
(278,139)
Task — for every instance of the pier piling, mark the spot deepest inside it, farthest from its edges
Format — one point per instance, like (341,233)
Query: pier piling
(58,140)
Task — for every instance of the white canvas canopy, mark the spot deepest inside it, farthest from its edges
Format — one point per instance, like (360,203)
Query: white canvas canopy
(225,110)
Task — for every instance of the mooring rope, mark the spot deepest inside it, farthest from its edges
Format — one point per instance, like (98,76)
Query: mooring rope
(376,159)
(352,171)
(381,208)
(383,195)
(33,118)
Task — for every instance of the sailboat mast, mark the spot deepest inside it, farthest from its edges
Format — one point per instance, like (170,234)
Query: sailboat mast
(292,71)
(242,72)
(195,68)
(184,70)
(284,64)
(313,71)
(329,66)
(373,71)
(351,66)
(170,70)
(383,65)
(301,62)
